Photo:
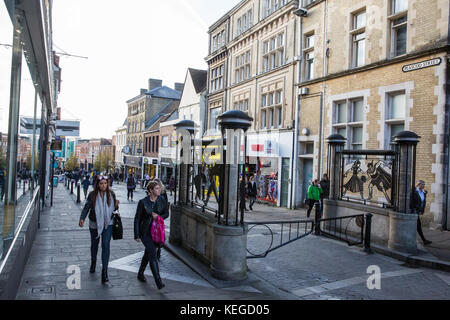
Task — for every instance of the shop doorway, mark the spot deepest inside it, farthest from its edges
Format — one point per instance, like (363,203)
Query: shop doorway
(285,181)
(307,177)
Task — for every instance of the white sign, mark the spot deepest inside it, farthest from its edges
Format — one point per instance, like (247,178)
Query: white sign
(422,65)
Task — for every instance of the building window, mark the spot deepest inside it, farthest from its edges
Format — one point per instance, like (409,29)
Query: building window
(395,115)
(271,110)
(165,141)
(213,114)
(273,52)
(398,25)
(358,35)
(241,105)
(157,144)
(348,121)
(270,6)
(308,54)
(242,70)
(216,78)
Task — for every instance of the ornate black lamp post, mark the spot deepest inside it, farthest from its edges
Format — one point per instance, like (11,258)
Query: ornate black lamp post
(231,122)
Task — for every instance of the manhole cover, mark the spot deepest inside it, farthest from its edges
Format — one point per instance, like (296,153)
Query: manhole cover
(42,290)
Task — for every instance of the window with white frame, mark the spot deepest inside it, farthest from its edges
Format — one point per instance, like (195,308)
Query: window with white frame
(394,115)
(241,105)
(213,114)
(216,78)
(271,110)
(270,6)
(273,52)
(165,141)
(242,67)
(308,53)
(398,21)
(348,121)
(244,22)
(358,36)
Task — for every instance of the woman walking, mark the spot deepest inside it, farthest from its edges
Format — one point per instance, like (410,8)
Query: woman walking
(147,210)
(100,205)
(314,192)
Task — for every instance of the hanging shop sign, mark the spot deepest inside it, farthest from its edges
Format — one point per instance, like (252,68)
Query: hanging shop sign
(422,65)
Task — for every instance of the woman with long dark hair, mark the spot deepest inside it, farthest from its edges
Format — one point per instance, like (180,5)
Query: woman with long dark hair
(147,210)
(100,205)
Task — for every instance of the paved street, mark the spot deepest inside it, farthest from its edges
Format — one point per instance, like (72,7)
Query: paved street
(313,268)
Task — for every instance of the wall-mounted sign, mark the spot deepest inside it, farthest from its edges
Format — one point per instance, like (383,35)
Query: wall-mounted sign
(154,161)
(56,145)
(422,65)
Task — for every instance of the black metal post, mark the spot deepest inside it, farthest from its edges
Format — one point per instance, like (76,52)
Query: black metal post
(78,193)
(71,186)
(368,227)
(53,164)
(23,182)
(317,219)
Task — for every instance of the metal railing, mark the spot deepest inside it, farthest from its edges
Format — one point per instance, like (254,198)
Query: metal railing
(352,229)
(296,229)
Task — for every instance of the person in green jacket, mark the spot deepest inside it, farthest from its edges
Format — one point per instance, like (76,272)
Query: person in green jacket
(314,192)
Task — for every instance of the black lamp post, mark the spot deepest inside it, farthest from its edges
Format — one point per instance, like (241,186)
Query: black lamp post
(189,126)
(232,120)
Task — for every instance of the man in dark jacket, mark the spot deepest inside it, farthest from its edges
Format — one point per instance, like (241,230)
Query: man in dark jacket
(242,191)
(417,205)
(252,191)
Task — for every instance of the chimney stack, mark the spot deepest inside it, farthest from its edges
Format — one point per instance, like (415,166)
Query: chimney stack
(154,83)
(179,86)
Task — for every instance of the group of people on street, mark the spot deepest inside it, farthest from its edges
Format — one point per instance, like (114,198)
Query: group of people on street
(100,205)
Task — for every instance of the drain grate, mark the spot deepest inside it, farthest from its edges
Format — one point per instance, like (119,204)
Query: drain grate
(42,290)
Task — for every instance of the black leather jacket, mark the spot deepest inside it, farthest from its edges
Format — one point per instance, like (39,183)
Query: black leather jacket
(143,218)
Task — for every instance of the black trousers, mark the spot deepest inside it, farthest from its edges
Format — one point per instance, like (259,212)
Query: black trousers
(419,229)
(130,192)
(311,204)
(150,250)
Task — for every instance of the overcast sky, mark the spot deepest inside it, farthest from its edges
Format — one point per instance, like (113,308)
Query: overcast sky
(126,42)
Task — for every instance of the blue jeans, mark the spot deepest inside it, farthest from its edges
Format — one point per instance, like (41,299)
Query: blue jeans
(106,240)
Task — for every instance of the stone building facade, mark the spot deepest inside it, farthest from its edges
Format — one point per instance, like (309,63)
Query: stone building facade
(360,76)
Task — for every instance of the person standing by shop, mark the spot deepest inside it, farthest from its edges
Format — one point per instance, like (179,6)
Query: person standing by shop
(171,184)
(100,205)
(314,192)
(131,185)
(147,210)
(252,191)
(418,204)
(325,185)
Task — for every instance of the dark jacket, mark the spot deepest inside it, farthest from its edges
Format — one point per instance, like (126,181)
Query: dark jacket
(416,203)
(89,207)
(242,190)
(325,185)
(143,218)
(251,189)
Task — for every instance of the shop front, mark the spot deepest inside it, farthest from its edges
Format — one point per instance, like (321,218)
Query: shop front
(133,165)
(151,167)
(166,170)
(269,161)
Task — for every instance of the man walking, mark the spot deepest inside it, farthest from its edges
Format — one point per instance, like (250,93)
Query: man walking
(418,204)
(252,191)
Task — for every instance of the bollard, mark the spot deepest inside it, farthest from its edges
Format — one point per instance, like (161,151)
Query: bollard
(23,186)
(68,183)
(367,232)
(78,193)
(71,187)
(317,219)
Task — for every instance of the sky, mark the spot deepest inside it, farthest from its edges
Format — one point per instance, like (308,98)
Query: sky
(126,44)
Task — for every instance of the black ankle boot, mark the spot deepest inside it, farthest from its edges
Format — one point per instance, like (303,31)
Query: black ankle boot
(105,276)
(155,272)
(93,264)
(140,275)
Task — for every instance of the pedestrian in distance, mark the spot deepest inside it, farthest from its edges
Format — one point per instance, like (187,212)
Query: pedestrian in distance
(325,185)
(86,183)
(417,204)
(171,184)
(242,192)
(131,185)
(110,179)
(99,206)
(147,210)
(314,192)
(252,191)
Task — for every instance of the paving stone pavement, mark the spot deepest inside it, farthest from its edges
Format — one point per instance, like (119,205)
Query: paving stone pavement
(60,244)
(313,268)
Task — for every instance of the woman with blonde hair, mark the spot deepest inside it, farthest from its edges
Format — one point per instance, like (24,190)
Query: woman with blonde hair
(166,200)
(147,210)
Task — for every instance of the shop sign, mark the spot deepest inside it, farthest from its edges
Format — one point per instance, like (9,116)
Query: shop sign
(155,161)
(422,65)
(133,161)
